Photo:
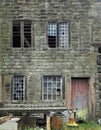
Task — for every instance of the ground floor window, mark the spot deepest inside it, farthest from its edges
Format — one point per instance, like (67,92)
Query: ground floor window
(52,87)
(18,88)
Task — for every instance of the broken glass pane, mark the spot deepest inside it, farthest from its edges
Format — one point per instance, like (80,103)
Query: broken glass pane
(52,34)
(63,35)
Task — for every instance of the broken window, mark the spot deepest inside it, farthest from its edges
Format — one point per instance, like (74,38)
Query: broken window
(21,33)
(52,88)
(57,35)
(52,34)
(27,34)
(99,50)
(16,34)
(18,88)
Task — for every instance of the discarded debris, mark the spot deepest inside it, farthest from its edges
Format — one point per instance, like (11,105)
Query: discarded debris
(72,122)
(56,122)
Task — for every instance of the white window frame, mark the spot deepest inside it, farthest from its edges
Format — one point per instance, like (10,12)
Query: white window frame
(52,88)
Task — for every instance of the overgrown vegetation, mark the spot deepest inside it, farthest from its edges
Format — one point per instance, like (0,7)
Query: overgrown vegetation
(82,126)
(86,126)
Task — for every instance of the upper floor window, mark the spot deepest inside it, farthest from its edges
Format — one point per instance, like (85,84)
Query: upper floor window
(57,35)
(22,34)
(52,87)
(18,88)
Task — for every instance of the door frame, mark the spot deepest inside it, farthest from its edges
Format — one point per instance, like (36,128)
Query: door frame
(91,95)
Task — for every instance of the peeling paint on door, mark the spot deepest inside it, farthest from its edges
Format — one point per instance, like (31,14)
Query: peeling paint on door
(80,97)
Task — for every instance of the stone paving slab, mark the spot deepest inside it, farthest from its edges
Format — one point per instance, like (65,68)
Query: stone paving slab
(9,125)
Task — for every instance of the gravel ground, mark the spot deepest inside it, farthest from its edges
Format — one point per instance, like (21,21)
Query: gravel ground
(9,125)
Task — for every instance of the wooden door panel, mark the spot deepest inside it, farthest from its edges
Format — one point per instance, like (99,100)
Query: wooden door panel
(80,96)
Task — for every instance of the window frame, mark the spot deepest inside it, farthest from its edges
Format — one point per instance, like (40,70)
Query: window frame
(59,91)
(57,34)
(22,25)
(13,87)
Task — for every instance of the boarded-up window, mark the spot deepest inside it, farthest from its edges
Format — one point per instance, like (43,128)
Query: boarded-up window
(22,34)
(18,88)
(52,88)
(57,35)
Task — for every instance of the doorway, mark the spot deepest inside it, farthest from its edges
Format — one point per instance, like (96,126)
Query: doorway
(79,96)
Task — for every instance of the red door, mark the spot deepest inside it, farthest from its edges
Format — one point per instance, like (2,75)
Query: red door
(80,96)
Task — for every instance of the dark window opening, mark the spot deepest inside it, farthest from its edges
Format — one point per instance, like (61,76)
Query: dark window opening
(21,34)
(99,50)
(27,34)
(52,41)
(16,34)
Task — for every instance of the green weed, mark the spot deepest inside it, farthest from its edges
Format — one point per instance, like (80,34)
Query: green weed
(85,126)
(81,126)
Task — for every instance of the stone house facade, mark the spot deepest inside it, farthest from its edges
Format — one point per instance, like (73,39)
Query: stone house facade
(50,56)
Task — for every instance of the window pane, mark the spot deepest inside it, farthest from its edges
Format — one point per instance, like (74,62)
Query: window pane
(45,79)
(52,34)
(16,34)
(18,88)
(63,35)
(27,34)
(45,97)
(54,97)
(52,89)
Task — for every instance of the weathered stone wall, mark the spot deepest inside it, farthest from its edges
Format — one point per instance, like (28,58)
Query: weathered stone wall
(97,44)
(78,60)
